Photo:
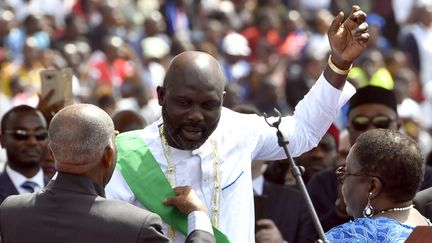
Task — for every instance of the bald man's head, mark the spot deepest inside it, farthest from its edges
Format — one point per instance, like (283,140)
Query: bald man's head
(191,99)
(199,64)
(78,136)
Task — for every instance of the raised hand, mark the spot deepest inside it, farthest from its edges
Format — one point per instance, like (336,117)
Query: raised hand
(48,108)
(185,200)
(348,38)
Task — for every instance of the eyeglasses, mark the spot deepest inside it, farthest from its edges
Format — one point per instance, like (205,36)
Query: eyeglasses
(361,123)
(22,135)
(341,174)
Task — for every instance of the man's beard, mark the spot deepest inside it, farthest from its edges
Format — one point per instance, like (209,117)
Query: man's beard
(174,133)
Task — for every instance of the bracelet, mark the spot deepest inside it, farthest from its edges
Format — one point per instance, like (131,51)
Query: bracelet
(336,69)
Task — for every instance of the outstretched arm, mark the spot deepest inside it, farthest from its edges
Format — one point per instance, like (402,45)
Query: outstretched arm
(348,39)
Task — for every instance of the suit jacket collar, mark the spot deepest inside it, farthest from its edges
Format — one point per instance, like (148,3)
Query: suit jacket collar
(7,187)
(75,183)
(18,179)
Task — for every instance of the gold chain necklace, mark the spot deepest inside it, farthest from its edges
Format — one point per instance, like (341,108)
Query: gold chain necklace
(170,172)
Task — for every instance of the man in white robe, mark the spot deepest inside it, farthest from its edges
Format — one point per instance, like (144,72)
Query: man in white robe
(199,143)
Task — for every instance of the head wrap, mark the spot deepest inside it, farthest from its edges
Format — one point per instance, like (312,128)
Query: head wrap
(373,95)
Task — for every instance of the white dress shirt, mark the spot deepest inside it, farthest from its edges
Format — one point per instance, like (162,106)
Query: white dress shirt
(240,139)
(18,179)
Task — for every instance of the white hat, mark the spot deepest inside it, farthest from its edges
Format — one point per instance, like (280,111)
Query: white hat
(235,44)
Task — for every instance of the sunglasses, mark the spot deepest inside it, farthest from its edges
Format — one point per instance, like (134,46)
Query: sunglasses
(22,135)
(341,174)
(361,123)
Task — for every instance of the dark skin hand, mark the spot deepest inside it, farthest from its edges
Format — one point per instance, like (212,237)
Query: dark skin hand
(47,109)
(186,200)
(269,233)
(347,39)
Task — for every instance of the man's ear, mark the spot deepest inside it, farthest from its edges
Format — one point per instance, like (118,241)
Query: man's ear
(107,157)
(161,94)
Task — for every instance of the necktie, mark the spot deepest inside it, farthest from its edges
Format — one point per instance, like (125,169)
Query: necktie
(29,186)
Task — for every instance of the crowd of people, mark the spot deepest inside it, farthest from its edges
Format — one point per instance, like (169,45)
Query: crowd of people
(185,83)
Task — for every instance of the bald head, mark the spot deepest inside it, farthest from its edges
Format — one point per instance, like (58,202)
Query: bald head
(199,65)
(128,120)
(78,136)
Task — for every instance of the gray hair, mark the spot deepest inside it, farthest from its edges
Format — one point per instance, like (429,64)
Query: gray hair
(78,134)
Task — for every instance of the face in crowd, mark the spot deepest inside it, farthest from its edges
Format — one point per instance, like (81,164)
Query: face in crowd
(24,136)
(191,99)
(370,116)
(319,158)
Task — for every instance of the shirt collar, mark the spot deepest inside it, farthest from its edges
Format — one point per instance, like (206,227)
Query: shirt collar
(258,185)
(18,179)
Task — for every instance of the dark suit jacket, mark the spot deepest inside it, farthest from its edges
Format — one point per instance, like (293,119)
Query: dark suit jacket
(323,190)
(423,202)
(7,187)
(73,209)
(287,208)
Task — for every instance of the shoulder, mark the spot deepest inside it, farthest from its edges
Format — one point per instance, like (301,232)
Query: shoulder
(127,213)
(17,203)
(426,193)
(423,197)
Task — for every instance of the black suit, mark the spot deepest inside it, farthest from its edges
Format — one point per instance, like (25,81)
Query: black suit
(423,202)
(287,208)
(7,187)
(73,209)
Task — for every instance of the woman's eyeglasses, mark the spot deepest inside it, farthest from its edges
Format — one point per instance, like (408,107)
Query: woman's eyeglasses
(341,174)
(22,135)
(361,123)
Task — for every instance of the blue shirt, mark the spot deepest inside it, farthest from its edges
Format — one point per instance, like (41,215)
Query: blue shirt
(380,229)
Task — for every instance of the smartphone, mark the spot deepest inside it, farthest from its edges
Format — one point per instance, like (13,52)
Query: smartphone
(60,81)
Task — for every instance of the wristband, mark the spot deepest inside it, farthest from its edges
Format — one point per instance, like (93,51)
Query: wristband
(337,70)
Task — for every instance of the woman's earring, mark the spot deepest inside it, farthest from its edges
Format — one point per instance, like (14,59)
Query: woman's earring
(368,211)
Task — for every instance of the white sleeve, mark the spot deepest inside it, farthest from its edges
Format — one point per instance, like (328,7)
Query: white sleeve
(312,117)
(314,114)
(117,188)
(198,220)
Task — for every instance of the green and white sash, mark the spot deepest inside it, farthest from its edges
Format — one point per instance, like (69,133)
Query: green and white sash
(148,183)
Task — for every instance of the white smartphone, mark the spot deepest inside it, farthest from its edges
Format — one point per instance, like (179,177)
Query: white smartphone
(60,81)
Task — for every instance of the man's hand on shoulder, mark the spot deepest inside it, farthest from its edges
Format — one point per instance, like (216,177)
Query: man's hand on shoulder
(186,200)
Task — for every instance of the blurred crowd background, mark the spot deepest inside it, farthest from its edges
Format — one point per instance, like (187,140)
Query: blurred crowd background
(271,52)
